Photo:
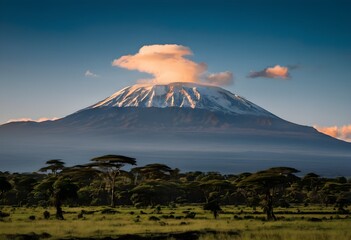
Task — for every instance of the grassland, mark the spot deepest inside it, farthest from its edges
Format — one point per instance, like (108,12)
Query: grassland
(310,223)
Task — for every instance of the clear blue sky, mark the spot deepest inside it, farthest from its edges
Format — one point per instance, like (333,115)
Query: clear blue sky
(47,46)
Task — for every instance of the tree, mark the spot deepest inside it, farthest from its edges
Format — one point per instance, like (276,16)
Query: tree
(213,206)
(89,184)
(63,189)
(214,186)
(108,167)
(24,185)
(55,165)
(44,191)
(341,194)
(58,189)
(58,186)
(5,186)
(269,183)
(150,172)
(152,193)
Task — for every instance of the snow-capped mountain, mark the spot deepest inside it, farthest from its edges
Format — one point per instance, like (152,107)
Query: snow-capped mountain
(186,125)
(174,106)
(182,95)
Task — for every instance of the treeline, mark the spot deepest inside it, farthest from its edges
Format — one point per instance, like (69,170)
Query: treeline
(103,181)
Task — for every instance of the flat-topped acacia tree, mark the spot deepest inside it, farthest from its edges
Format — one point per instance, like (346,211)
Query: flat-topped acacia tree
(108,167)
(154,171)
(268,183)
(57,185)
(54,165)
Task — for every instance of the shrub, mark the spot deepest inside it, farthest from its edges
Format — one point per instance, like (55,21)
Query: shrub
(3,214)
(153,218)
(190,215)
(46,215)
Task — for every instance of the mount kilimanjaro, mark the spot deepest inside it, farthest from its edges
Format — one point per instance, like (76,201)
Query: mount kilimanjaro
(185,125)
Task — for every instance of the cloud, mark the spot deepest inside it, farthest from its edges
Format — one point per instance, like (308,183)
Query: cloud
(90,74)
(43,119)
(220,79)
(167,63)
(343,133)
(272,72)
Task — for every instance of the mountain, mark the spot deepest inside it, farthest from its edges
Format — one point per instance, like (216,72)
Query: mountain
(186,125)
(175,105)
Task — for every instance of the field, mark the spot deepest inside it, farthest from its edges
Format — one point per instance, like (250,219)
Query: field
(310,223)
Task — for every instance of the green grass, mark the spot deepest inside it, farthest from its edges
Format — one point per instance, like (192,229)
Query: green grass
(292,225)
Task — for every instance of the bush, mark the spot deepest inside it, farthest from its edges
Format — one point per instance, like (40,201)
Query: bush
(190,215)
(3,214)
(153,218)
(109,211)
(46,215)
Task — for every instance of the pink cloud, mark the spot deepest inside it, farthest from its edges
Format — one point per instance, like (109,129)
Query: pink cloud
(167,63)
(343,133)
(271,72)
(277,72)
(43,119)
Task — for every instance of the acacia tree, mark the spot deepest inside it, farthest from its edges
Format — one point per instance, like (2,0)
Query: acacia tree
(154,171)
(54,165)
(214,187)
(63,189)
(269,183)
(213,206)
(340,192)
(154,192)
(58,186)
(108,168)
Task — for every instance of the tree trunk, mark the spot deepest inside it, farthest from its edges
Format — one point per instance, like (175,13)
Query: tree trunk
(113,181)
(215,214)
(58,206)
(269,207)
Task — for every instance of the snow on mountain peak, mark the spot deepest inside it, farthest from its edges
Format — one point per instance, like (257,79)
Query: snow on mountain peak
(181,95)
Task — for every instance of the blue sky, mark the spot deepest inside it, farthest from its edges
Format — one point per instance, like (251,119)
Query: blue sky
(46,47)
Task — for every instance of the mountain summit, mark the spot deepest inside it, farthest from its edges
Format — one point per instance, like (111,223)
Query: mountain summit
(182,95)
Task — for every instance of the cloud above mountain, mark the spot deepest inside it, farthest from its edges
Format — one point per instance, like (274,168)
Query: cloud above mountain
(343,133)
(168,63)
(271,72)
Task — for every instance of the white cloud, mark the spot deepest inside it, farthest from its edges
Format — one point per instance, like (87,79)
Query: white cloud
(89,73)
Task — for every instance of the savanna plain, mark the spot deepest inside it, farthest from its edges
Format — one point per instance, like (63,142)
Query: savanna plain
(175,222)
